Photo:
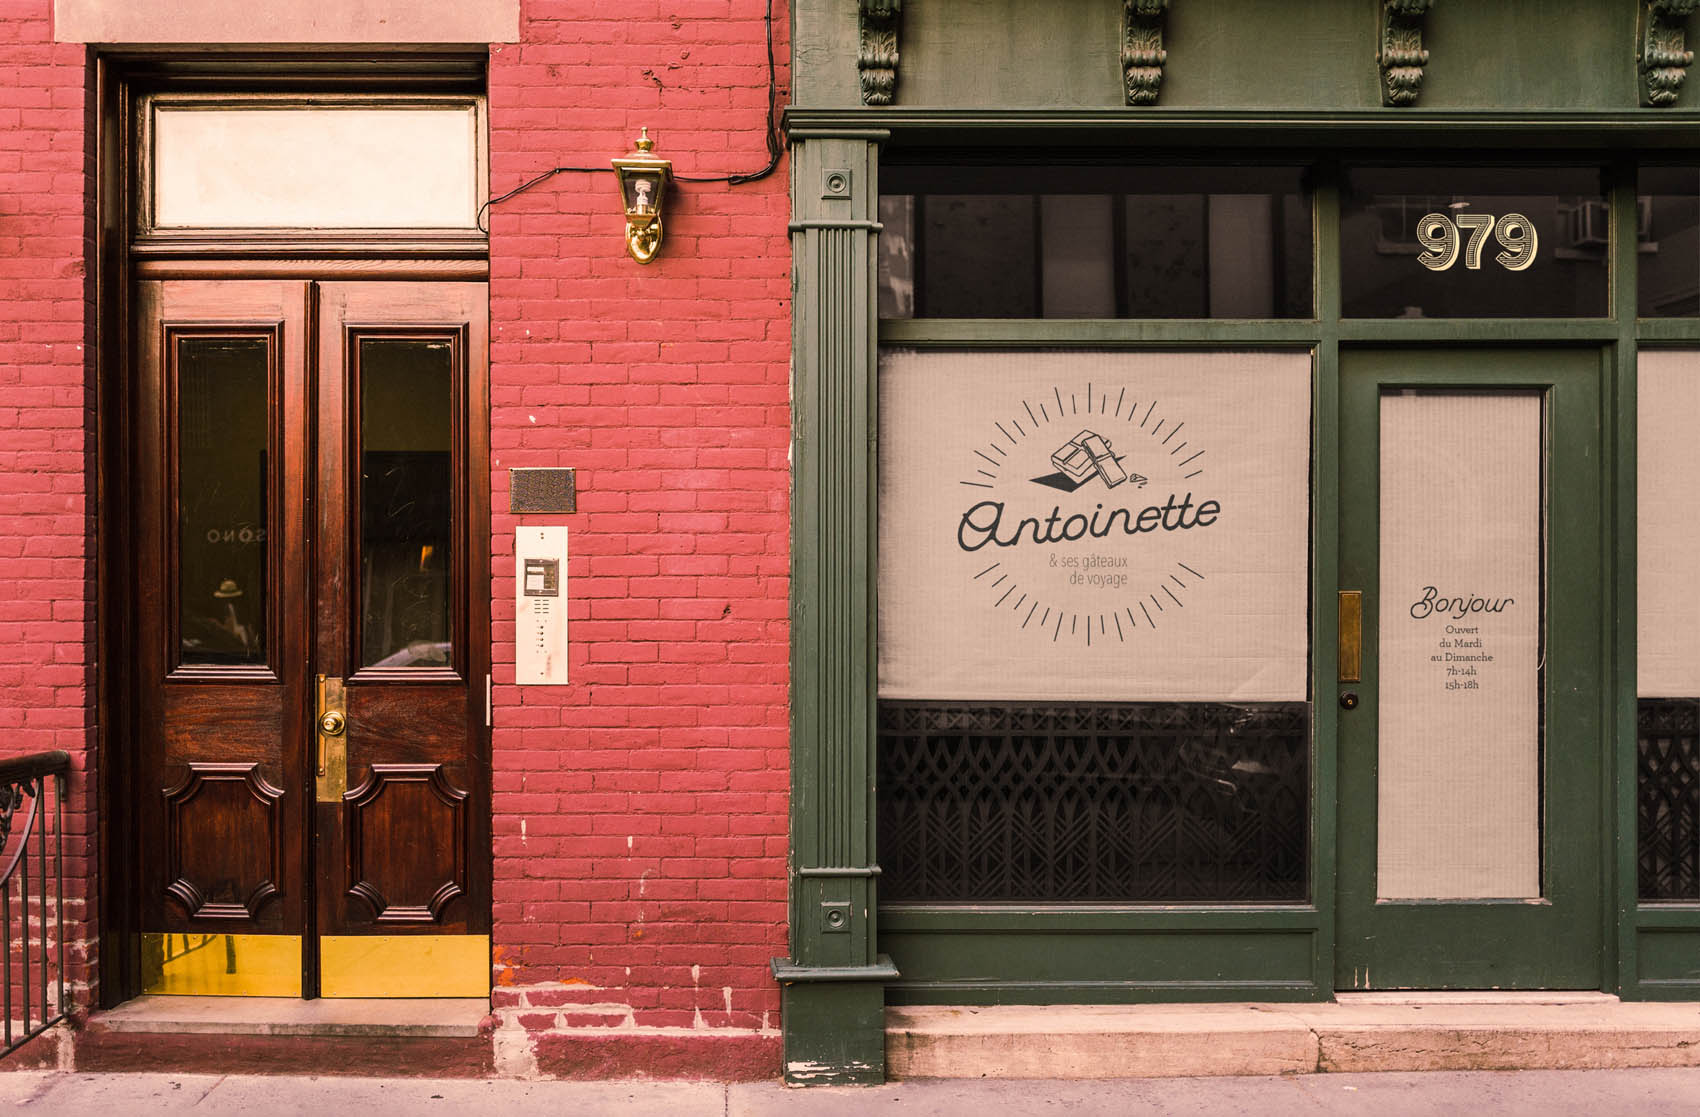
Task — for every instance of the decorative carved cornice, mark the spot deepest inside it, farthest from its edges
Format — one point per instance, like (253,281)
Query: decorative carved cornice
(1142,49)
(877,59)
(1660,56)
(1401,54)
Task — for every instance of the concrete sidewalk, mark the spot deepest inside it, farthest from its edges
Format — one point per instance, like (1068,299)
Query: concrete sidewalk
(1606,1093)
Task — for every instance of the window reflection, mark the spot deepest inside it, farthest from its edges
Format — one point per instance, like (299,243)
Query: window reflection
(221,493)
(1094,242)
(1668,238)
(1474,242)
(406,501)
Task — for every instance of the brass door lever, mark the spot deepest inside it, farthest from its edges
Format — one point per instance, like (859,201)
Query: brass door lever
(331,724)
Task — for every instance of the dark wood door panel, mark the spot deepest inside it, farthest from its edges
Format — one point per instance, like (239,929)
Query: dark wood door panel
(205,722)
(224,848)
(221,652)
(395,722)
(418,808)
(407,848)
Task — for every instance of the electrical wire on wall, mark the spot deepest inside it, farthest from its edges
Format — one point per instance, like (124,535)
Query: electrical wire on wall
(775,148)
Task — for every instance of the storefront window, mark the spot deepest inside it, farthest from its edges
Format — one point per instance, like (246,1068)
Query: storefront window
(1474,242)
(1667,786)
(1093,647)
(1094,242)
(1668,242)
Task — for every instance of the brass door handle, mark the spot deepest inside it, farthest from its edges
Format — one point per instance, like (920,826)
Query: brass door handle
(331,725)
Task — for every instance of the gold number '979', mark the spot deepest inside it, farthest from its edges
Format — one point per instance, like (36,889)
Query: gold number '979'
(1441,239)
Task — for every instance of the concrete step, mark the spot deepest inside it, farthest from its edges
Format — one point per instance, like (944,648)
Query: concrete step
(275,1035)
(1360,1032)
(291,1016)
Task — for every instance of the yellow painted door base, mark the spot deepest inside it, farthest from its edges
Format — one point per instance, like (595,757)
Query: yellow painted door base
(202,965)
(404,966)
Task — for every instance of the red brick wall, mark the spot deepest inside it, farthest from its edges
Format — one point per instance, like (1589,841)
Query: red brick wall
(640,812)
(46,423)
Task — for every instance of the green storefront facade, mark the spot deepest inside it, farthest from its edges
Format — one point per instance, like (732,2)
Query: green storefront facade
(1397,697)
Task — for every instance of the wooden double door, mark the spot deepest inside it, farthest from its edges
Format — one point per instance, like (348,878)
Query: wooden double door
(310,778)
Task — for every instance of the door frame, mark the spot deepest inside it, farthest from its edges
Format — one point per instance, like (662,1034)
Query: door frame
(1568,422)
(119,79)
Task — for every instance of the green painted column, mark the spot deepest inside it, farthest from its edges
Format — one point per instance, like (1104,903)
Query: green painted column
(834,981)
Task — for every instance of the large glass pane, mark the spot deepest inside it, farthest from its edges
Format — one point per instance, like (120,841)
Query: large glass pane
(1089,802)
(1473,242)
(1075,241)
(1668,240)
(222,444)
(1094,625)
(1668,633)
(406,501)
(1458,805)
(979,255)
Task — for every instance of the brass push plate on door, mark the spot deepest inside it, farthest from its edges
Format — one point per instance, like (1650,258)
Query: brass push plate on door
(1351,636)
(330,722)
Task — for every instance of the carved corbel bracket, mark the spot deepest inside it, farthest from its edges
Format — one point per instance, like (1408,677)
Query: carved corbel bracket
(1660,56)
(876,61)
(1401,55)
(1142,49)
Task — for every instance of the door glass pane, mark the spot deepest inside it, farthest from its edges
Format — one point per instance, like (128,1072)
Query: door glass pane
(1473,242)
(221,491)
(406,500)
(1458,806)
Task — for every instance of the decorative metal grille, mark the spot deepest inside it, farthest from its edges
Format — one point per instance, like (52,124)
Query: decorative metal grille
(1094,802)
(1667,798)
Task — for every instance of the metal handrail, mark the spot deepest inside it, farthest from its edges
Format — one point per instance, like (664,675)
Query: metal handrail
(23,787)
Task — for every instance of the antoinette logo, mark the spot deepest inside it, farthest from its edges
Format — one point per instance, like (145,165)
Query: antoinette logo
(1090,498)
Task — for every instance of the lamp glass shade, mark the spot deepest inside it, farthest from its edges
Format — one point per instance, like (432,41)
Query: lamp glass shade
(643,190)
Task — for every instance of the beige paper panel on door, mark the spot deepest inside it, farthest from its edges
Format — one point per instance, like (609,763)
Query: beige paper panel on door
(1458,806)
(1094,526)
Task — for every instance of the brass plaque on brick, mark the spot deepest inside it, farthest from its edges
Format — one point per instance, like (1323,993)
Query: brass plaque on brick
(542,490)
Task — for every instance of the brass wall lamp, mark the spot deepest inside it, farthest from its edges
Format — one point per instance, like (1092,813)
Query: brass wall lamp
(643,187)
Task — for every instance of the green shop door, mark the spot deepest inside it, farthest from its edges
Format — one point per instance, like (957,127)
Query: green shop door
(1471,735)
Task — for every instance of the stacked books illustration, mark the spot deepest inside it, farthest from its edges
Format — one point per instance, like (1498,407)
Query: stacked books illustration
(1088,454)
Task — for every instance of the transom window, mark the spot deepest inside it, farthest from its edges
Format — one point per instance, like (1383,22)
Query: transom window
(1095,242)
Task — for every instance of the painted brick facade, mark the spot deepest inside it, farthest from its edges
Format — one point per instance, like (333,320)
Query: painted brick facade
(47,589)
(640,813)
